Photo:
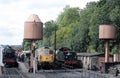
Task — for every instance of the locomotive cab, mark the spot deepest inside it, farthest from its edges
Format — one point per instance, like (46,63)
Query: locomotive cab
(45,55)
(66,57)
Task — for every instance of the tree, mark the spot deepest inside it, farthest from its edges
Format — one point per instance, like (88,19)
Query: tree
(26,45)
(48,31)
(66,22)
(78,28)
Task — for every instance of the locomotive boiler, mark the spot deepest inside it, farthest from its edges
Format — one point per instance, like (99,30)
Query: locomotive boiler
(65,56)
(9,57)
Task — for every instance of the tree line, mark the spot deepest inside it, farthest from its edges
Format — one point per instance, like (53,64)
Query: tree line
(78,28)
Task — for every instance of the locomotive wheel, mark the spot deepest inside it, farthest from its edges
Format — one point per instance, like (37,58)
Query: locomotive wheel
(16,65)
(30,70)
(38,66)
(6,65)
(79,64)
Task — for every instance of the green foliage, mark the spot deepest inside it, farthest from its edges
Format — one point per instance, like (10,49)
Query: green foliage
(26,45)
(48,31)
(113,51)
(38,43)
(68,16)
(78,28)
(66,23)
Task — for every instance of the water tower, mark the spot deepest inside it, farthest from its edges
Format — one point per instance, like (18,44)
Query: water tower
(33,30)
(107,32)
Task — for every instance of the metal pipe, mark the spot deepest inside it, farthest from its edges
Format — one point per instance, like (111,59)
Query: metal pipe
(32,47)
(55,40)
(107,51)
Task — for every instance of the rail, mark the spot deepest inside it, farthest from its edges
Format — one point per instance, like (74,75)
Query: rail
(95,74)
(74,73)
(12,73)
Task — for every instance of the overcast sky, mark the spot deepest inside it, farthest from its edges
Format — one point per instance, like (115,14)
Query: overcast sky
(14,13)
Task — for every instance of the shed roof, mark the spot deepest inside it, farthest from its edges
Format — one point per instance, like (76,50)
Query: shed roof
(90,54)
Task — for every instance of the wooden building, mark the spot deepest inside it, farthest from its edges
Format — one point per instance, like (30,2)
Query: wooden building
(92,60)
(117,57)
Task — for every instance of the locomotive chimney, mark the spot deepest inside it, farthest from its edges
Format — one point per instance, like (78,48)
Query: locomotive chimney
(107,32)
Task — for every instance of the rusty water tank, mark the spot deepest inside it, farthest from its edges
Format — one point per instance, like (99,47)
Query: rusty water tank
(107,32)
(33,28)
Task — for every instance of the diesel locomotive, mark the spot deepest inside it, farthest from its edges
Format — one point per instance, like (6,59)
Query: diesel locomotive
(45,58)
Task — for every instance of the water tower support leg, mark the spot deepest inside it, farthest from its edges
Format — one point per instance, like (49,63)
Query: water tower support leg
(107,51)
(31,56)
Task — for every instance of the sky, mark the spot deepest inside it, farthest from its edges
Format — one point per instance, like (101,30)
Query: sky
(14,13)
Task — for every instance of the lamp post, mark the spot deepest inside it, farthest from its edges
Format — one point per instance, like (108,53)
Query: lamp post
(55,40)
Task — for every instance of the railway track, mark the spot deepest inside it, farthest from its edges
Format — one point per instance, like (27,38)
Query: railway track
(65,72)
(62,73)
(71,73)
(12,73)
(67,66)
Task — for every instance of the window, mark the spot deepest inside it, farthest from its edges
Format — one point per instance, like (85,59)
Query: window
(45,51)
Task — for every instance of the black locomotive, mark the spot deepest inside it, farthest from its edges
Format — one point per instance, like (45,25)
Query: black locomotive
(67,57)
(9,57)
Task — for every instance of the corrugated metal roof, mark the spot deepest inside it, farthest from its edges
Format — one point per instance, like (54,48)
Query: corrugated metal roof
(90,54)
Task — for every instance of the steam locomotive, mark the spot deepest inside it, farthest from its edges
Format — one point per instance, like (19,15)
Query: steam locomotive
(67,57)
(9,57)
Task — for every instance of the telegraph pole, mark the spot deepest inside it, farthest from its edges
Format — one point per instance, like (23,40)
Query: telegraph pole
(55,39)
